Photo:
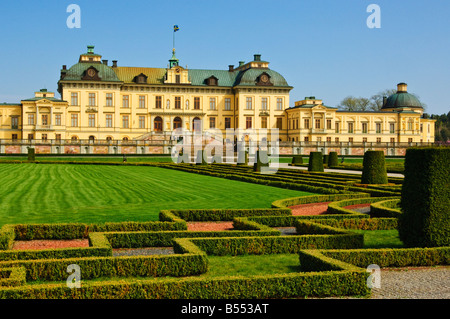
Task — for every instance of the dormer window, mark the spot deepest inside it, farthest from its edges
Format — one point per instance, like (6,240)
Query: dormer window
(91,74)
(140,79)
(212,80)
(263,79)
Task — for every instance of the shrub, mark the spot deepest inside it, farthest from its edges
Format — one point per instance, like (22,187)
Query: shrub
(374,168)
(297,159)
(425,199)
(315,162)
(333,159)
(325,159)
(261,161)
(386,208)
(242,158)
(200,160)
(31,154)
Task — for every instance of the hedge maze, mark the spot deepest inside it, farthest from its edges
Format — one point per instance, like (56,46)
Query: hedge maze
(332,256)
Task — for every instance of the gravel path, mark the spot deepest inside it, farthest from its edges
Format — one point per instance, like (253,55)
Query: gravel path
(414,283)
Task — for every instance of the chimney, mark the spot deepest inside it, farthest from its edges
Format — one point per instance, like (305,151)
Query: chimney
(257,57)
(105,62)
(230,68)
(114,63)
(241,63)
(64,67)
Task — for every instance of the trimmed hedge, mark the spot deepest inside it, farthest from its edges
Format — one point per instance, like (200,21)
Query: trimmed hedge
(333,159)
(360,223)
(351,281)
(7,236)
(425,199)
(374,168)
(386,208)
(398,257)
(12,276)
(197,215)
(287,202)
(297,159)
(338,207)
(315,162)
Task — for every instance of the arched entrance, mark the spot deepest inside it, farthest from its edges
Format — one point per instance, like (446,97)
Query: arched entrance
(196,124)
(157,124)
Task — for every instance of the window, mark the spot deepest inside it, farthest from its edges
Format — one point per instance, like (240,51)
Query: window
(108,120)
(264,104)
(177,123)
(196,103)
(141,101)
(157,124)
(228,122)
(30,119)
(30,137)
(392,139)
(91,120)
(227,104)
(279,104)
(317,123)
(364,128)
(212,103)
(364,139)
(306,138)
(328,139)
(177,78)
(109,99)
(58,119)
(44,119)
(350,139)
(378,139)
(248,103)
(336,126)
(14,123)
(248,122)
(58,137)
(126,101)
(392,128)
(350,127)
(410,125)
(378,128)
(109,138)
(141,121)
(125,121)
(74,99)
(336,139)
(158,102)
(212,122)
(421,128)
(279,123)
(319,139)
(264,122)
(177,102)
(296,124)
(74,120)
(306,123)
(328,124)
(410,140)
(44,137)
(92,99)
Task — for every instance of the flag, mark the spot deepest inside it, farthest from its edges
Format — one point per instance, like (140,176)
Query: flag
(175,28)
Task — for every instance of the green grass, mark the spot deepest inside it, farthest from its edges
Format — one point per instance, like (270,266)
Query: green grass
(381,238)
(52,193)
(75,158)
(250,265)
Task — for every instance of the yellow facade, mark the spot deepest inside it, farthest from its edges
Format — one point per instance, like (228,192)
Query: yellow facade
(118,103)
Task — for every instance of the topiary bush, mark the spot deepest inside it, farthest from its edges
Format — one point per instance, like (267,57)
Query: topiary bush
(261,160)
(297,159)
(374,168)
(425,199)
(333,159)
(315,162)
(31,154)
(325,159)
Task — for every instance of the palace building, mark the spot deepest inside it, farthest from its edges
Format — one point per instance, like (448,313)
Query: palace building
(112,103)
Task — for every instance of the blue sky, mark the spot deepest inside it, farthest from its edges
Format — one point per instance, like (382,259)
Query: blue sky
(322,47)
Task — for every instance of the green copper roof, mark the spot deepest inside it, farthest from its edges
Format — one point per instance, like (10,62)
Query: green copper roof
(44,98)
(76,72)
(401,99)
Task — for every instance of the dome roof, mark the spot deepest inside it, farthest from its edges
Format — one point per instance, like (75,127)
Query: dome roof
(402,99)
(77,71)
(250,76)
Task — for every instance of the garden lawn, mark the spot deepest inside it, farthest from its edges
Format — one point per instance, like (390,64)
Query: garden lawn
(63,193)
